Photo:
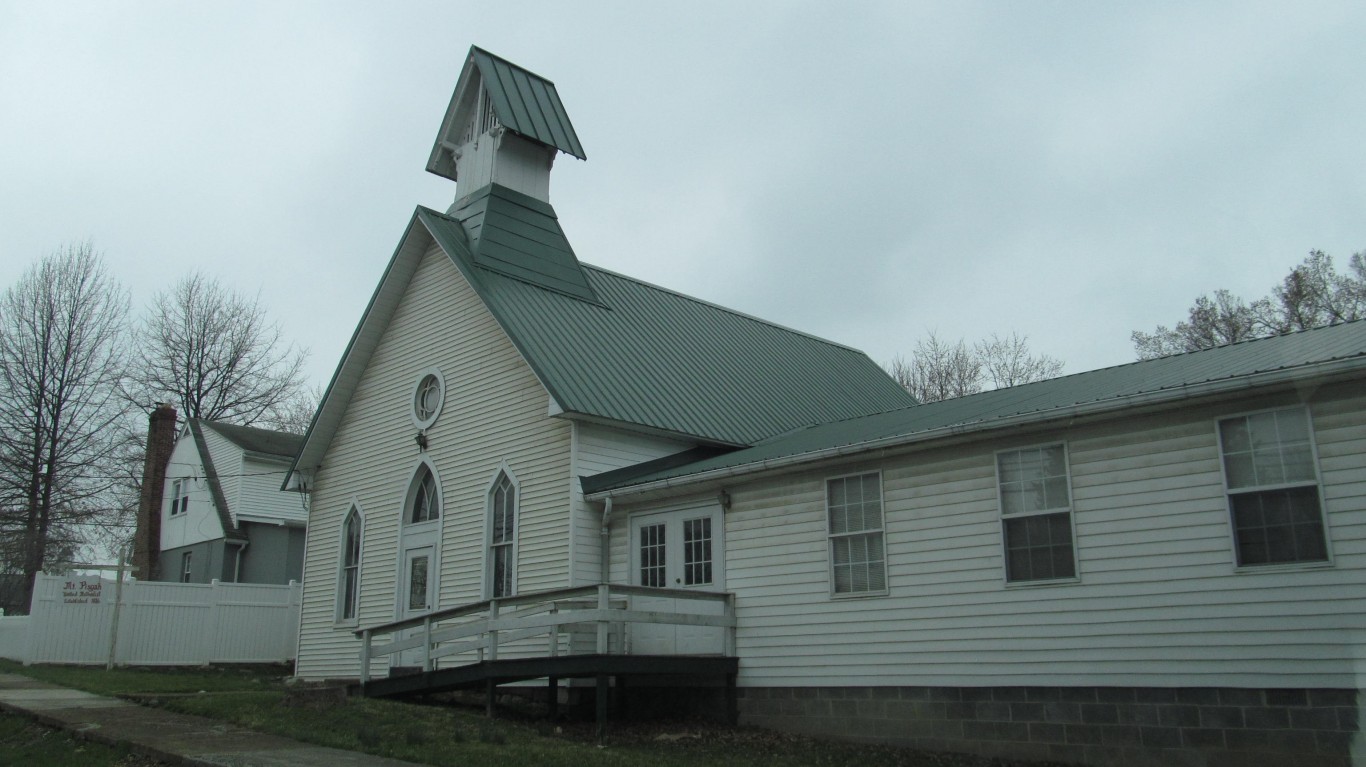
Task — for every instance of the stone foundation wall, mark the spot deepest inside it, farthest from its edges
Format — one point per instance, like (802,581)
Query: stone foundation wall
(1195,727)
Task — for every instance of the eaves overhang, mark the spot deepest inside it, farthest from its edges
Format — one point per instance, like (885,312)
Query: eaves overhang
(364,340)
(1319,373)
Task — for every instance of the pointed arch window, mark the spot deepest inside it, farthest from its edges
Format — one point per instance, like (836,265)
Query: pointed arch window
(502,559)
(425,503)
(348,586)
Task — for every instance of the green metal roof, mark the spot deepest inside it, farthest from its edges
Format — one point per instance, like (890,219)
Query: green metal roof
(520,237)
(1174,376)
(644,355)
(526,103)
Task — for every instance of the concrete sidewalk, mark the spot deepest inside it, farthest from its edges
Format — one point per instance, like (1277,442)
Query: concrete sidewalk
(165,735)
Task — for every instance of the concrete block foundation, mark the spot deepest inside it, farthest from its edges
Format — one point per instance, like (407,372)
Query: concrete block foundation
(1102,726)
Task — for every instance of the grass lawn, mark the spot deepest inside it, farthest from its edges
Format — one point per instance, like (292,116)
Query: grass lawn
(24,742)
(453,735)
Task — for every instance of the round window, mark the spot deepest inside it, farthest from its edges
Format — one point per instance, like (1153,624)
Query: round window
(427,398)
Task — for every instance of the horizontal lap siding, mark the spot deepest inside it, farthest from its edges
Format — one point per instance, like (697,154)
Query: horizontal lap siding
(598,449)
(494,412)
(227,462)
(1158,603)
(259,493)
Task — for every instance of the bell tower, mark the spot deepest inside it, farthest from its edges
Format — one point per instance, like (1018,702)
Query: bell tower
(504,126)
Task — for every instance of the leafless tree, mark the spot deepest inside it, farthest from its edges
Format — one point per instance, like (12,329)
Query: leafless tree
(1008,362)
(213,353)
(938,370)
(296,415)
(1314,293)
(62,356)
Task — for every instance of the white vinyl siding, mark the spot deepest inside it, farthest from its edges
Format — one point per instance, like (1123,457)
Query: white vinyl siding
(259,496)
(494,410)
(1160,601)
(227,462)
(250,484)
(198,523)
(597,449)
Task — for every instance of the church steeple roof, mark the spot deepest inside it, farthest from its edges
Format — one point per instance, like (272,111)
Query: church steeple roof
(521,102)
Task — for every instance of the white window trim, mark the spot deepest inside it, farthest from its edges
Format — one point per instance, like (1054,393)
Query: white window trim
(1317,564)
(487,578)
(830,538)
(418,534)
(338,616)
(423,424)
(695,508)
(186,566)
(1002,517)
(180,496)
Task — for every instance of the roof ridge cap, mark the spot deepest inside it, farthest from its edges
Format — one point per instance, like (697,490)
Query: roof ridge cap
(726,309)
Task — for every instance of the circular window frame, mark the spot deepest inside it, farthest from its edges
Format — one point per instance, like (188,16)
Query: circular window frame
(422,377)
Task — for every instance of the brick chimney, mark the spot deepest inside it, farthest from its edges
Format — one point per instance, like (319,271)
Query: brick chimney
(147,539)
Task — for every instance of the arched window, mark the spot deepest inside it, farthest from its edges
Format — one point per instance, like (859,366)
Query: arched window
(502,559)
(348,586)
(424,504)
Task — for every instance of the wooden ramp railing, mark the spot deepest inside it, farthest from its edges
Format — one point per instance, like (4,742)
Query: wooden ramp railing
(601,614)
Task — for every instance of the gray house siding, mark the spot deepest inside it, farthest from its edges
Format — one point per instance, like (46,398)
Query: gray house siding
(274,554)
(208,562)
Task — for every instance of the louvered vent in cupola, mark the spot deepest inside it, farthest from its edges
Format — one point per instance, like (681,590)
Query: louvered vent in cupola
(504,126)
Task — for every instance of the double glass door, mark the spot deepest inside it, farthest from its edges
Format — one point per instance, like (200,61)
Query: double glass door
(679,549)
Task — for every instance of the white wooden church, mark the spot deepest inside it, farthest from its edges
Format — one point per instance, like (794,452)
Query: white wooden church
(530,470)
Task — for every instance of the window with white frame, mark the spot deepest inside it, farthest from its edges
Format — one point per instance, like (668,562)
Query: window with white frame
(1273,488)
(1036,514)
(502,562)
(653,548)
(186,559)
(180,496)
(348,590)
(858,560)
(425,504)
(428,396)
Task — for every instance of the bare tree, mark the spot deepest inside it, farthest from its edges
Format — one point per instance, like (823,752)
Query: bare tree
(1314,293)
(1008,361)
(296,415)
(61,360)
(938,370)
(212,353)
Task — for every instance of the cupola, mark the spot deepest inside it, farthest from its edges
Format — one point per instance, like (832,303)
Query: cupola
(504,126)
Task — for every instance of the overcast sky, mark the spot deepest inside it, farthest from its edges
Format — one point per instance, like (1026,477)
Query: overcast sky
(866,172)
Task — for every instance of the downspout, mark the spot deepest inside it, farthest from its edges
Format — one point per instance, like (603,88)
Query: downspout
(237,563)
(605,535)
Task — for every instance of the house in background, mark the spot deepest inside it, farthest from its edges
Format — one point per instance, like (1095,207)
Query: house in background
(222,516)
(1155,563)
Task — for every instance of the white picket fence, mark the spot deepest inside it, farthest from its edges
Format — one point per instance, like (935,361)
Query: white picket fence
(159,624)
